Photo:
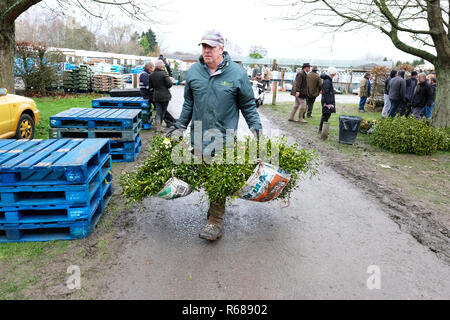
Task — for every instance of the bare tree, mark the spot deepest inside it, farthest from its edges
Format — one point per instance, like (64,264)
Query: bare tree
(10,10)
(417,27)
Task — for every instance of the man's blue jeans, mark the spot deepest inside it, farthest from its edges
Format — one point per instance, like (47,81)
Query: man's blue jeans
(428,111)
(362,103)
(394,105)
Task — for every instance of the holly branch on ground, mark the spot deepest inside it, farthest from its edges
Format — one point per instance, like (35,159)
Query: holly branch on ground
(219,179)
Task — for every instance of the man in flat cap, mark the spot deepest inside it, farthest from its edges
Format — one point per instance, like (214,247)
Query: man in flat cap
(300,92)
(216,90)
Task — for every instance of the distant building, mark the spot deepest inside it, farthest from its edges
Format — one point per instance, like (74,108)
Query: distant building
(91,57)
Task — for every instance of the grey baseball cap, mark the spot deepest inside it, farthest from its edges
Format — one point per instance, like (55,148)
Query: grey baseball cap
(212,38)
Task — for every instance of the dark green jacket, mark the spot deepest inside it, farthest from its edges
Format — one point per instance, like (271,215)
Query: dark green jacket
(216,99)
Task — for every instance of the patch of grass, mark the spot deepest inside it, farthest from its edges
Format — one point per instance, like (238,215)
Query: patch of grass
(29,250)
(19,263)
(53,105)
(13,287)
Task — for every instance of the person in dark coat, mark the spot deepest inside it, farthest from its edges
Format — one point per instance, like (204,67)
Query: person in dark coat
(144,86)
(314,84)
(411,84)
(422,96)
(144,82)
(160,82)
(364,91)
(147,92)
(428,111)
(300,93)
(397,91)
(387,102)
(328,101)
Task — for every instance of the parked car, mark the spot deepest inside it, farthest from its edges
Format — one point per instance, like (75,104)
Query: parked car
(356,91)
(18,116)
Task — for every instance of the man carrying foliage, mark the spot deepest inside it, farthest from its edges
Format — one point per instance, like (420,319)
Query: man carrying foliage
(216,89)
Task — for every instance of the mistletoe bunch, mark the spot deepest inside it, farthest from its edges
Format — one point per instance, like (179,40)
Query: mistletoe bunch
(219,177)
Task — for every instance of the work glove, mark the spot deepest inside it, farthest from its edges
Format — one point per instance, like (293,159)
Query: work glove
(175,133)
(256,133)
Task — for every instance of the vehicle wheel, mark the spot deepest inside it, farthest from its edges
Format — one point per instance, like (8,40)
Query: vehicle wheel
(25,127)
(257,104)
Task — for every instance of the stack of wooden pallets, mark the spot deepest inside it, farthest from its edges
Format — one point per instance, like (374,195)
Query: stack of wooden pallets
(105,82)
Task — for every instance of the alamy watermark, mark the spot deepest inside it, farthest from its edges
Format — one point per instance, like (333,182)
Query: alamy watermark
(74,280)
(209,146)
(374,280)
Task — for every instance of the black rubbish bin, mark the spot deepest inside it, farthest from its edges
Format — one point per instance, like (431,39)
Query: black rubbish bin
(348,128)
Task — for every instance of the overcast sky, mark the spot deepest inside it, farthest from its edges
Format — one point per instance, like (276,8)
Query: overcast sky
(250,22)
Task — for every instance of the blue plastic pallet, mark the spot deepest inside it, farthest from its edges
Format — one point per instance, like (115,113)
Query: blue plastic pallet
(126,157)
(51,162)
(121,102)
(49,213)
(60,230)
(62,133)
(46,212)
(45,195)
(125,146)
(88,118)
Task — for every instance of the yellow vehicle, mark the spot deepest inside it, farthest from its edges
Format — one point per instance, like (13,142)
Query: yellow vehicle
(18,116)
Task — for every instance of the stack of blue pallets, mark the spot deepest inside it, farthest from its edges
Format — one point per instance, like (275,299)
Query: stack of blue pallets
(53,189)
(121,126)
(127,103)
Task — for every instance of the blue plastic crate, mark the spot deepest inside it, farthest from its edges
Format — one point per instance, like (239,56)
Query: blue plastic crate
(51,162)
(88,118)
(121,102)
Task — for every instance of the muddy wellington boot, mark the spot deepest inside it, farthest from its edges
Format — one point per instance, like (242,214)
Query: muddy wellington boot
(301,114)
(213,229)
(158,126)
(325,129)
(291,116)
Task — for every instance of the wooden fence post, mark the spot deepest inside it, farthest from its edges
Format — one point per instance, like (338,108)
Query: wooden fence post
(135,80)
(274,96)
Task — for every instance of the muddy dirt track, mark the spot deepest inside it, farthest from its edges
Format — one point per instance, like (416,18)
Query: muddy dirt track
(321,246)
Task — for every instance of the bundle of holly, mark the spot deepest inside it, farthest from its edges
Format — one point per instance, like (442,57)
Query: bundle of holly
(225,175)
